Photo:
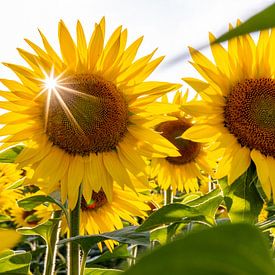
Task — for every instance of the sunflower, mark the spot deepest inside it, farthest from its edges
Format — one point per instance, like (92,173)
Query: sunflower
(81,115)
(9,175)
(30,218)
(182,172)
(237,110)
(100,215)
(9,238)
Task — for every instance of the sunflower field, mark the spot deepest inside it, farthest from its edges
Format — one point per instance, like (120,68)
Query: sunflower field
(105,172)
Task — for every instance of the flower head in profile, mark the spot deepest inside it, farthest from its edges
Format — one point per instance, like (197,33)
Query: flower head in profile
(99,215)
(82,115)
(237,110)
(182,172)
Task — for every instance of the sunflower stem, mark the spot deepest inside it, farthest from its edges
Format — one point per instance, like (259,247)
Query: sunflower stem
(83,263)
(73,248)
(51,250)
(168,196)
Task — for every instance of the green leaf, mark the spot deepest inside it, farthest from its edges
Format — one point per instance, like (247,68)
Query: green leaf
(262,20)
(203,208)
(119,252)
(101,271)
(208,204)
(6,253)
(44,230)
(33,201)
(222,250)
(160,235)
(4,218)
(9,155)
(15,263)
(242,199)
(126,235)
(168,214)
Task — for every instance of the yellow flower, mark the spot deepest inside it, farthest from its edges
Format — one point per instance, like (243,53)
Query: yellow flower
(182,172)
(9,174)
(8,238)
(237,111)
(30,218)
(100,215)
(80,116)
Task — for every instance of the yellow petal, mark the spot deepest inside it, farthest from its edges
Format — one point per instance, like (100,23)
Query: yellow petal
(9,238)
(135,68)
(67,45)
(239,163)
(150,67)
(220,55)
(200,59)
(262,170)
(130,53)
(95,47)
(75,176)
(202,133)
(100,176)
(154,139)
(111,55)
(196,84)
(201,108)
(51,52)
(271,165)
(116,169)
(81,43)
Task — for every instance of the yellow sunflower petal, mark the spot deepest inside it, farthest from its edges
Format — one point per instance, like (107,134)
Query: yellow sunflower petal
(9,238)
(262,170)
(67,45)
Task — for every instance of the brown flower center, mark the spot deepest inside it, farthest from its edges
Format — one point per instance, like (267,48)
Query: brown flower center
(86,114)
(250,114)
(172,130)
(97,201)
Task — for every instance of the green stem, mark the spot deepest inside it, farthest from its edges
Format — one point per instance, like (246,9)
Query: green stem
(168,196)
(52,246)
(73,248)
(83,263)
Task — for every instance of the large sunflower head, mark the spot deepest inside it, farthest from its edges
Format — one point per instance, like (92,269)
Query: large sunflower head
(99,215)
(181,172)
(81,114)
(237,110)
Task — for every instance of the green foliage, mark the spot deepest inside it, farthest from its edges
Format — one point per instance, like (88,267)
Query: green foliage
(242,198)
(44,230)
(119,252)
(15,263)
(262,20)
(9,155)
(30,203)
(126,235)
(223,250)
(202,209)
(208,204)
(102,271)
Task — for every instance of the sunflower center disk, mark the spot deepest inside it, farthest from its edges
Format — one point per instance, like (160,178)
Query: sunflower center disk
(250,114)
(172,130)
(97,201)
(86,114)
